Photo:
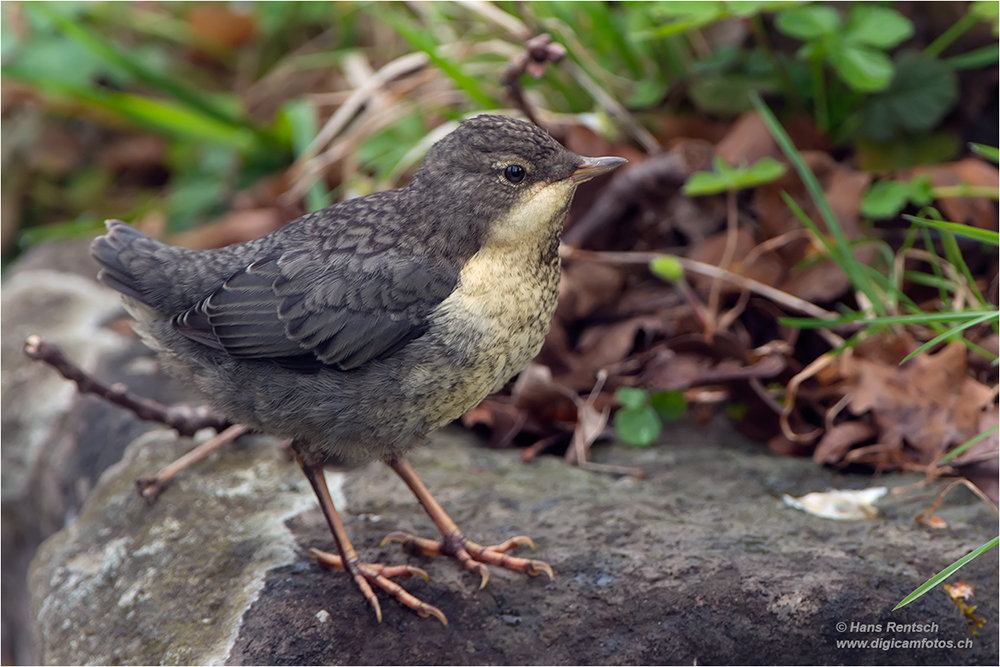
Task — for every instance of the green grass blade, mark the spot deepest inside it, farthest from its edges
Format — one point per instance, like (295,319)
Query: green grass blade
(944,286)
(159,115)
(302,118)
(985,56)
(954,255)
(958,328)
(421,40)
(945,573)
(841,252)
(194,99)
(991,153)
(917,318)
(974,233)
(965,446)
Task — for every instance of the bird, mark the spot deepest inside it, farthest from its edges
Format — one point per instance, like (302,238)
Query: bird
(359,329)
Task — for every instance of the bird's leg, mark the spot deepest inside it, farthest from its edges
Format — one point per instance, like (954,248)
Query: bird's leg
(473,557)
(364,574)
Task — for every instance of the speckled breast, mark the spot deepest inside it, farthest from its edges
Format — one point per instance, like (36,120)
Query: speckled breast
(491,326)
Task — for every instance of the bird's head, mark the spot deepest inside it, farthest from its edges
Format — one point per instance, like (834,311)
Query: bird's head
(517,181)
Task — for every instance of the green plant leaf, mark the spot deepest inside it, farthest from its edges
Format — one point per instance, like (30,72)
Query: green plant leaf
(300,119)
(632,397)
(764,170)
(906,151)
(667,268)
(945,573)
(639,427)
(862,68)
(809,23)
(195,101)
(382,151)
(422,39)
(885,199)
(45,60)
(922,92)
(670,405)
(921,191)
(877,26)
(726,178)
(646,93)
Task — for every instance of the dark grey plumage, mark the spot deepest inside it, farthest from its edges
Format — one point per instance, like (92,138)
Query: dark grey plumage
(359,328)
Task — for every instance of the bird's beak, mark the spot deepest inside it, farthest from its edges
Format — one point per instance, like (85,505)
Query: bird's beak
(595,166)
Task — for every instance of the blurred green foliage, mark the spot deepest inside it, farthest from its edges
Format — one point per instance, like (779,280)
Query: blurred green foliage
(233,88)
(639,421)
(725,178)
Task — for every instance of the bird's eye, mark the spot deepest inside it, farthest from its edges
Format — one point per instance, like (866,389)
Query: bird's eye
(514,173)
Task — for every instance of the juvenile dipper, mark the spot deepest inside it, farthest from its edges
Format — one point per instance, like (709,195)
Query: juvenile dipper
(359,329)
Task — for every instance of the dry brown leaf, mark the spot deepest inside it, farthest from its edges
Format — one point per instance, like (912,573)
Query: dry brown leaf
(602,345)
(929,403)
(134,152)
(960,592)
(747,141)
(765,269)
(590,424)
(934,522)
(536,392)
(782,446)
(836,442)
(503,420)
(55,152)
(668,128)
(843,188)
(977,211)
(217,28)
(586,287)
(672,371)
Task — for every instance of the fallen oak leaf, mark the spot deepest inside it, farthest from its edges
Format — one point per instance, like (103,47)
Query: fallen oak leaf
(836,442)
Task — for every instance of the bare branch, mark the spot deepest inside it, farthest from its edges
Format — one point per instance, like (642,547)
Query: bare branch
(184,419)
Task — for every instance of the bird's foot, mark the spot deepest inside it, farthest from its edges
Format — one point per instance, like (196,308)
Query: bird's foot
(473,557)
(367,574)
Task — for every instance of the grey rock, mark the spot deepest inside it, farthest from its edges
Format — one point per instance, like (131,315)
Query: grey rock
(55,441)
(700,562)
(130,583)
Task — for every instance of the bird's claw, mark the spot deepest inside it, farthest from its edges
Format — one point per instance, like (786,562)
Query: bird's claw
(473,557)
(366,574)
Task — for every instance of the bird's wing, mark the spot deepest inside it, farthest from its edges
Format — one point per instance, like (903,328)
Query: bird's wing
(344,311)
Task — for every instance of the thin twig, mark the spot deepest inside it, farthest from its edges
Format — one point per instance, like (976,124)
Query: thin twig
(151,487)
(540,446)
(661,176)
(791,390)
(693,266)
(184,419)
(972,487)
(538,52)
(732,237)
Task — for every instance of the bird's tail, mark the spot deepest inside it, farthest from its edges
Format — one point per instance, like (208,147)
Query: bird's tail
(126,256)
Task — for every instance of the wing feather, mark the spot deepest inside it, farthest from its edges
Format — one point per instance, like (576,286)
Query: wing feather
(344,312)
